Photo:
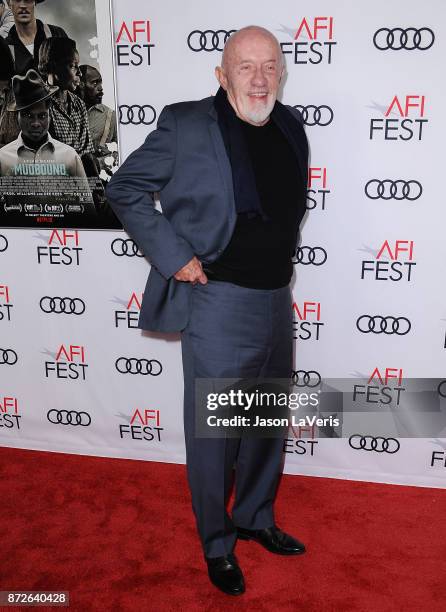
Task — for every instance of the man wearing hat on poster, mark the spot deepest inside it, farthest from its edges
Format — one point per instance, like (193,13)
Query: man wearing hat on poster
(34,145)
(27,34)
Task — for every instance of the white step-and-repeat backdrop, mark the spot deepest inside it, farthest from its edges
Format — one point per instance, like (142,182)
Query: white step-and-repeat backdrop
(76,374)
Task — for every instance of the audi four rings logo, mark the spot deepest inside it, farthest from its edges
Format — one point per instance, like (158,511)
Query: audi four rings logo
(315,115)
(128,247)
(378,444)
(301,378)
(387,325)
(62,305)
(136,114)
(68,417)
(8,357)
(3,243)
(131,365)
(208,40)
(306,255)
(399,38)
(396,190)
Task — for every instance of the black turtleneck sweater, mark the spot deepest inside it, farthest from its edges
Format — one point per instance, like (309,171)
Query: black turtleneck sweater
(260,250)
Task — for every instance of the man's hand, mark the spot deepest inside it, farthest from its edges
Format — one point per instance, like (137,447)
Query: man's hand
(192,272)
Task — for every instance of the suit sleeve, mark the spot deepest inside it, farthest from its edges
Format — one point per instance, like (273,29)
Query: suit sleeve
(129,192)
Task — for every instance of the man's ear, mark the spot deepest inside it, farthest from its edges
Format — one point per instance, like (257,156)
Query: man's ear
(282,73)
(221,77)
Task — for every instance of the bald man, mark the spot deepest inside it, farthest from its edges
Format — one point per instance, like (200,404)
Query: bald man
(231,171)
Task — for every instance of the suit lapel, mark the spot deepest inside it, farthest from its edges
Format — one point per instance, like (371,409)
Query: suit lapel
(222,156)
(293,132)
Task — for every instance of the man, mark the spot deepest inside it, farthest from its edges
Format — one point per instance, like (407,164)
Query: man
(34,152)
(231,172)
(6,19)
(27,34)
(101,118)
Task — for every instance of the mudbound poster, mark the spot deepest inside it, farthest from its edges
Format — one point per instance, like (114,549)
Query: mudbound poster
(58,129)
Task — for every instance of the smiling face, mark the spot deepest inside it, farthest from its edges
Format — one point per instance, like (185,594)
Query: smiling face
(250,74)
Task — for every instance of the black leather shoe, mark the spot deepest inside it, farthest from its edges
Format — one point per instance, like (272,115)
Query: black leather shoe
(226,575)
(273,539)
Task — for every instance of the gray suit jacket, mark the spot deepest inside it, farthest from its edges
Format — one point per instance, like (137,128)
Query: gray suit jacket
(185,160)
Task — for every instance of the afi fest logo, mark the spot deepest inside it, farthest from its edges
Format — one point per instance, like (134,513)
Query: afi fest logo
(133,43)
(382,387)
(318,188)
(313,41)
(9,412)
(307,321)
(393,262)
(301,440)
(147,426)
(62,248)
(5,303)
(408,123)
(130,315)
(68,363)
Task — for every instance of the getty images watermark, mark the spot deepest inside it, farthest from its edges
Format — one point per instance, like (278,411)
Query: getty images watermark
(334,408)
(257,402)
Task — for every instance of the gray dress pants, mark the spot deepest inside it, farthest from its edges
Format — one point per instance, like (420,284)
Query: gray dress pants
(233,332)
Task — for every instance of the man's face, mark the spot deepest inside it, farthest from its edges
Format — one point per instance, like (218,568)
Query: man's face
(34,122)
(93,87)
(23,11)
(251,76)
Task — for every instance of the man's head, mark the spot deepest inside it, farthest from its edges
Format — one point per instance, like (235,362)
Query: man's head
(34,121)
(23,11)
(91,85)
(251,70)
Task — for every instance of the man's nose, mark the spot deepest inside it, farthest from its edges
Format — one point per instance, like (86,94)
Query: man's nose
(259,78)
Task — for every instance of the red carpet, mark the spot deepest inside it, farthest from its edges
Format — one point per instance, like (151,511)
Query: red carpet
(119,535)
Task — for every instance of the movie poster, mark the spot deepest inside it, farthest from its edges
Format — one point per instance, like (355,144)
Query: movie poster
(58,128)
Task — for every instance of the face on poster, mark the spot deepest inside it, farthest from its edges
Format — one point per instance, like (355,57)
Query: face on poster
(58,128)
